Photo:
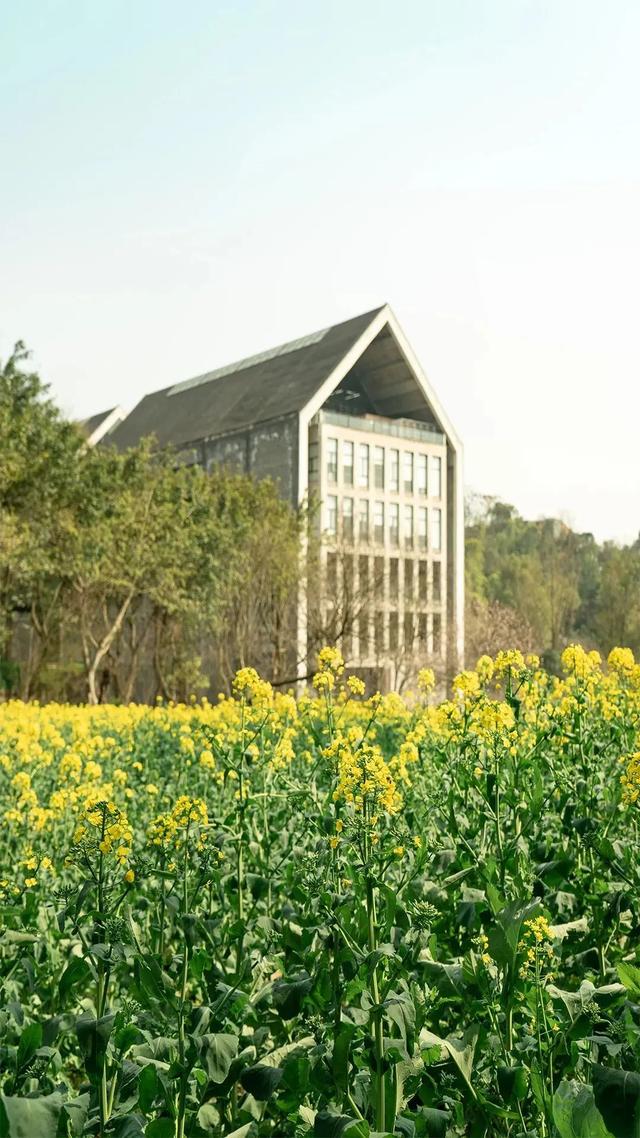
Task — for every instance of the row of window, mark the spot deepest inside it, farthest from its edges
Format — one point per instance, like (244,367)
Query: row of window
(415,523)
(421,473)
(380,578)
(386,633)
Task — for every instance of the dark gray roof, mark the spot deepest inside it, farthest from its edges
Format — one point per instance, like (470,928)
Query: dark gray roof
(267,386)
(88,426)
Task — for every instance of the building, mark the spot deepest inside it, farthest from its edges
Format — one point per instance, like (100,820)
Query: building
(98,428)
(347,416)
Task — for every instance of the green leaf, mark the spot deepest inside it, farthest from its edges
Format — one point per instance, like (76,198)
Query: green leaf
(436,1121)
(30,1117)
(161,1128)
(617,1096)
(513,1083)
(288,996)
(460,1051)
(575,1112)
(629,975)
(30,1041)
(77,970)
(218,1052)
(147,1088)
(329,1125)
(261,1080)
(93,1037)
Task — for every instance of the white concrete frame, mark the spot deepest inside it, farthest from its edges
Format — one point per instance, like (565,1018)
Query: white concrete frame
(455,493)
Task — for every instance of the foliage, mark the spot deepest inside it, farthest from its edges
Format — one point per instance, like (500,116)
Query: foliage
(338,915)
(540,585)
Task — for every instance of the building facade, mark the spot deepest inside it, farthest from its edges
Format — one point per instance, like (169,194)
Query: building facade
(344,417)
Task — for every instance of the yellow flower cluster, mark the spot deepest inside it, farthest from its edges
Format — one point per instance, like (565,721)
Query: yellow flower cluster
(630,780)
(188,819)
(365,781)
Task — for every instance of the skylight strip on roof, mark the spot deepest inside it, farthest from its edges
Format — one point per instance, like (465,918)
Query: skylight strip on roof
(250,361)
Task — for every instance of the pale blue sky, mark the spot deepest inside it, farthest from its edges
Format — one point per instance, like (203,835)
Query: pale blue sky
(185,184)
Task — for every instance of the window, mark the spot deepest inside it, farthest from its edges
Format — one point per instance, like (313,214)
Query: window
(394,523)
(348,575)
(363,574)
(437,582)
(378,468)
(422,582)
(347,463)
(421,474)
(378,523)
(378,577)
(436,477)
(379,632)
(422,527)
(363,633)
(408,527)
(393,578)
(437,634)
(347,519)
(332,460)
(393,631)
(313,460)
(363,519)
(363,465)
(394,470)
(332,573)
(332,513)
(408,631)
(422,629)
(408,472)
(436,530)
(408,580)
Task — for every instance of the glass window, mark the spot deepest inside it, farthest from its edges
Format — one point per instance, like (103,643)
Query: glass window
(379,631)
(347,463)
(363,573)
(313,460)
(435,479)
(437,581)
(393,578)
(437,634)
(332,573)
(378,468)
(408,527)
(422,527)
(422,629)
(363,519)
(436,530)
(378,577)
(421,474)
(408,580)
(332,460)
(408,631)
(394,523)
(348,576)
(378,522)
(422,582)
(408,472)
(394,470)
(393,631)
(363,632)
(363,465)
(332,513)
(347,519)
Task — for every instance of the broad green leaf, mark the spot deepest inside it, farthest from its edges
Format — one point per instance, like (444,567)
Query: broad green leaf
(288,996)
(160,1128)
(617,1096)
(261,1081)
(30,1117)
(30,1041)
(575,1112)
(218,1051)
(629,975)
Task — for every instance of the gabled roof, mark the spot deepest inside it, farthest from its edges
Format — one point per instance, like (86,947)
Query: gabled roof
(97,426)
(277,382)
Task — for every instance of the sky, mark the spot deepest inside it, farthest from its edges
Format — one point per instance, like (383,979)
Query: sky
(182,185)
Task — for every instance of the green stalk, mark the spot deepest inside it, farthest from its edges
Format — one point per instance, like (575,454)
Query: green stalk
(182,1094)
(372,941)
